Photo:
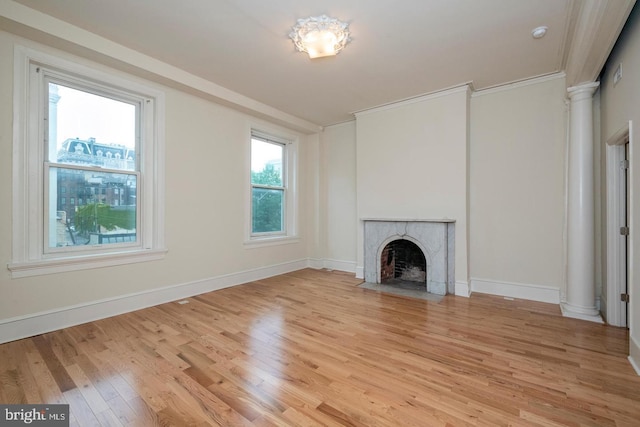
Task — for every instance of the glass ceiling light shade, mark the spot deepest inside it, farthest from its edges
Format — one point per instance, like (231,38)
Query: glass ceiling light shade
(320,36)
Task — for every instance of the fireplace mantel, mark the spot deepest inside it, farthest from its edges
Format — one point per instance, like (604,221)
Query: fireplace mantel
(442,220)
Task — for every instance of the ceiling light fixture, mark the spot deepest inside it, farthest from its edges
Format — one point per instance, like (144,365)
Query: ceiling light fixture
(539,32)
(320,36)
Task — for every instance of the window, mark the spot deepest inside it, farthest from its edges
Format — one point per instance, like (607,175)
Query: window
(272,181)
(267,186)
(71,116)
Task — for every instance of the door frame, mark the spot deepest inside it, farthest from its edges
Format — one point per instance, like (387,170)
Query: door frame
(618,204)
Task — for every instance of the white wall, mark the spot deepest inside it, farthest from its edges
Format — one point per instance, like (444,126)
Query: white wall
(517,171)
(339,210)
(619,105)
(313,212)
(206,190)
(412,163)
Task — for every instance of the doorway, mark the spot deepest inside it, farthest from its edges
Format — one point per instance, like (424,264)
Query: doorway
(618,227)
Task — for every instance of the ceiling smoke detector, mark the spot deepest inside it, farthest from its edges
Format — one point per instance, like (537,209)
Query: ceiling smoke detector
(539,32)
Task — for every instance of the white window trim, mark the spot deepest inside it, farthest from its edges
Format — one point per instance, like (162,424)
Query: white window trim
(291,142)
(28,257)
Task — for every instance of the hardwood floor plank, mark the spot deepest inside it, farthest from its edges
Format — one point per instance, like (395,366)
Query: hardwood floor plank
(97,378)
(145,415)
(171,416)
(12,391)
(28,383)
(122,411)
(216,410)
(108,419)
(56,368)
(296,418)
(47,386)
(80,409)
(115,377)
(64,347)
(87,389)
(311,348)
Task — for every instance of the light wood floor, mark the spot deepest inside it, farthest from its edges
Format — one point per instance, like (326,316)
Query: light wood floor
(311,348)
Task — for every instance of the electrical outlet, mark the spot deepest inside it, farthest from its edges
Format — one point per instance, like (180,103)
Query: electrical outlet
(617,75)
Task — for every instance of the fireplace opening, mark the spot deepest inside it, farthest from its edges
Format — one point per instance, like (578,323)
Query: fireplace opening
(403,261)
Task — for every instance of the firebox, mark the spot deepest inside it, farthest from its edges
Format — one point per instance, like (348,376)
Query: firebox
(403,260)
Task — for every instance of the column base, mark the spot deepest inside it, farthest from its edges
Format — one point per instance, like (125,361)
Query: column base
(582,313)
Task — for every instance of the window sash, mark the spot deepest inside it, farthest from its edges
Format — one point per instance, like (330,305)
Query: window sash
(49,75)
(283,209)
(47,212)
(283,160)
(268,187)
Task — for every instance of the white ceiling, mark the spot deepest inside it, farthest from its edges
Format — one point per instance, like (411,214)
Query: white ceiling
(400,48)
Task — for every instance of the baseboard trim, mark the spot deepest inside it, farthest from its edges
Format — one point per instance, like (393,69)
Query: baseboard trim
(516,290)
(634,354)
(315,263)
(462,289)
(26,326)
(334,264)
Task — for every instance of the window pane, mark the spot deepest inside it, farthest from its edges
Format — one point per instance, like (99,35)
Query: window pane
(90,129)
(107,216)
(266,163)
(267,210)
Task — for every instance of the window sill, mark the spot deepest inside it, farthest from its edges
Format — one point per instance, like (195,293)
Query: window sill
(260,242)
(83,262)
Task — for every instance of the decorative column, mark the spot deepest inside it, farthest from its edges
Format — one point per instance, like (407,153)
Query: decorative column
(581,285)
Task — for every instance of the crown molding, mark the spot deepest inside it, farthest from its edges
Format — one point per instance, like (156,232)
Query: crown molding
(597,28)
(466,87)
(518,84)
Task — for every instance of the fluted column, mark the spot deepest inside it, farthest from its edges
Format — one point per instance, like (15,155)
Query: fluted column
(581,298)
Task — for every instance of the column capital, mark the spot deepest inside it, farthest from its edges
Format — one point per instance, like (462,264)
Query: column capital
(585,89)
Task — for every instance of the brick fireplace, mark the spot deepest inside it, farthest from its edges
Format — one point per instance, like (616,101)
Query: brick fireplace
(412,250)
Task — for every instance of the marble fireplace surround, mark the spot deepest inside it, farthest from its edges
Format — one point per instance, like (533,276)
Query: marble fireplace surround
(435,237)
